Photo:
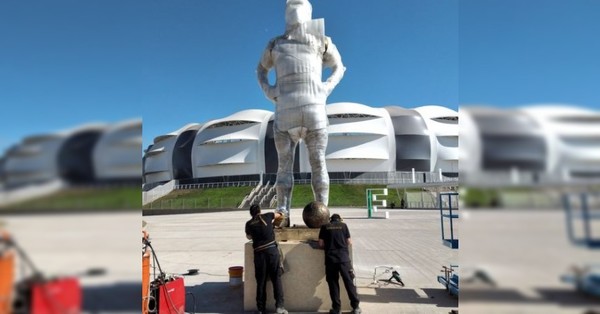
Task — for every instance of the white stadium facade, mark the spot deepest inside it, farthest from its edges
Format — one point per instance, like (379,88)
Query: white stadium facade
(527,146)
(533,145)
(87,154)
(364,142)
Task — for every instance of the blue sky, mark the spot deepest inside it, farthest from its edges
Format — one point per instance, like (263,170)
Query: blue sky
(515,52)
(63,63)
(204,55)
(176,62)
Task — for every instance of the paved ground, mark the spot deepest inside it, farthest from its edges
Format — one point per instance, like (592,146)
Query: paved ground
(409,240)
(69,244)
(523,251)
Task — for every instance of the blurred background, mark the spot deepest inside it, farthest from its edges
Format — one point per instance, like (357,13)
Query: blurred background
(92,166)
(529,156)
(70,158)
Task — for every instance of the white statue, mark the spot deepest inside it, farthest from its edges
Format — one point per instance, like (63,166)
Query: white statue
(298,57)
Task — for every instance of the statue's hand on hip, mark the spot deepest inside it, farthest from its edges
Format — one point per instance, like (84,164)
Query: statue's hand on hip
(326,88)
(272,93)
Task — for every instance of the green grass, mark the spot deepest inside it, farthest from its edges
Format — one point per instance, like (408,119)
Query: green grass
(342,195)
(473,197)
(85,199)
(231,197)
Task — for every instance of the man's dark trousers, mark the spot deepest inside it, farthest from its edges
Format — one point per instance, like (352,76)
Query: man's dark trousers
(266,264)
(332,272)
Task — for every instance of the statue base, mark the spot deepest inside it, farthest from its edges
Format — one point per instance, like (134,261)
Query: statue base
(304,286)
(297,233)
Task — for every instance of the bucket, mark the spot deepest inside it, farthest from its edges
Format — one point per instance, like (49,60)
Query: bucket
(235,275)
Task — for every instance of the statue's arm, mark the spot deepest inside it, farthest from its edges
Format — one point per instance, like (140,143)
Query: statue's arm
(333,60)
(262,72)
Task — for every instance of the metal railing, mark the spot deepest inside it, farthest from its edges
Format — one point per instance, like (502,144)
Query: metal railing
(265,194)
(382,178)
(522,178)
(213,185)
(201,203)
(342,178)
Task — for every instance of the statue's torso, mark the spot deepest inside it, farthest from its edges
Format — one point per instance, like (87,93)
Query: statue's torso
(298,68)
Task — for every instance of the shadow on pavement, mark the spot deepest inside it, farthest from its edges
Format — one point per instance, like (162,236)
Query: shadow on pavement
(558,296)
(363,218)
(568,297)
(494,295)
(214,297)
(438,297)
(120,297)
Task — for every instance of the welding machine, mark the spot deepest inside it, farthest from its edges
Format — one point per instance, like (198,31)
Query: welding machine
(167,293)
(48,296)
(167,297)
(37,294)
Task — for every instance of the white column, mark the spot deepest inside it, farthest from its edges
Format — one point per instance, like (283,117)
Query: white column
(514,175)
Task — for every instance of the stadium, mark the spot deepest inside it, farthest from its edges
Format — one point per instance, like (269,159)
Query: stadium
(373,146)
(535,145)
(90,155)
(541,145)
(364,143)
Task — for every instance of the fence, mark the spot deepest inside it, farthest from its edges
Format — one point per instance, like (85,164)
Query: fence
(215,202)
(213,185)
(151,198)
(380,178)
(522,178)
(427,199)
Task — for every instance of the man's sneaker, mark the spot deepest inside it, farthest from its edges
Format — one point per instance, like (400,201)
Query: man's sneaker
(332,311)
(281,310)
(356,311)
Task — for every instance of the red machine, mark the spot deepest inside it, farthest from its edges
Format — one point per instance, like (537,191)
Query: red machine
(170,296)
(167,293)
(48,296)
(36,293)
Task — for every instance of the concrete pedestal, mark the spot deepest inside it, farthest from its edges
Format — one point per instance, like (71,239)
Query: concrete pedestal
(304,286)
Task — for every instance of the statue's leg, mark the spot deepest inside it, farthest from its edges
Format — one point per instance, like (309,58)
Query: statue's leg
(286,147)
(316,143)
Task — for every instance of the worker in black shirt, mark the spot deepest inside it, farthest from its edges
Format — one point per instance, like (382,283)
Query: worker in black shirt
(266,258)
(334,237)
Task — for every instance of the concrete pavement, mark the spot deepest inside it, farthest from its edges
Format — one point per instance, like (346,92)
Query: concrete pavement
(68,244)
(523,251)
(410,241)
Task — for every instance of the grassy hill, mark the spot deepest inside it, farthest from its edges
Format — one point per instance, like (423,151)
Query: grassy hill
(231,197)
(89,198)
